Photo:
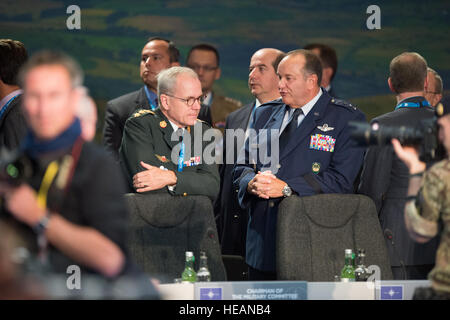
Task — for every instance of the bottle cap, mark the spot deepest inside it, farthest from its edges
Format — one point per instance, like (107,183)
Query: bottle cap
(348,251)
(189,254)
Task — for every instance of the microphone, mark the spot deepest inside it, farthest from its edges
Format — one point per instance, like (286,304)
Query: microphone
(390,236)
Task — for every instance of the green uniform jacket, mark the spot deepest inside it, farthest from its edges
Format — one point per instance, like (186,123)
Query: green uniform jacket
(221,107)
(147,137)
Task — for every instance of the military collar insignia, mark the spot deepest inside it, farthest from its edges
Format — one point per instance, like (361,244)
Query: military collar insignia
(163,124)
(325,128)
(161,158)
(316,167)
(142,112)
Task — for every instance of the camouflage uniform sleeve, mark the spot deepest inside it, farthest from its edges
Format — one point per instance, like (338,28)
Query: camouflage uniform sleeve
(422,216)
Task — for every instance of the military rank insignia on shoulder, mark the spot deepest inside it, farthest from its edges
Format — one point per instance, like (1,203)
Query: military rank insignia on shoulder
(141,112)
(343,103)
(204,122)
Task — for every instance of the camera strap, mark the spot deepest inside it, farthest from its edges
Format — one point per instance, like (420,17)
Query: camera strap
(49,176)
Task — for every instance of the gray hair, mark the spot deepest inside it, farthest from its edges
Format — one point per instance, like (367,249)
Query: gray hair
(167,79)
(53,58)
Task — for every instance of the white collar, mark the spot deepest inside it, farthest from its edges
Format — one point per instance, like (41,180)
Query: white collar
(208,98)
(175,127)
(307,107)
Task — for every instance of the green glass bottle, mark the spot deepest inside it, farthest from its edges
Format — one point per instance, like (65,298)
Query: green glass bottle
(348,272)
(189,274)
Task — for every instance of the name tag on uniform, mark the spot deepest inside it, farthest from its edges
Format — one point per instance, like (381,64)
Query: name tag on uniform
(193,161)
(322,142)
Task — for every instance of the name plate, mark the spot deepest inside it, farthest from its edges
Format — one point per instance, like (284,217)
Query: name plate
(247,290)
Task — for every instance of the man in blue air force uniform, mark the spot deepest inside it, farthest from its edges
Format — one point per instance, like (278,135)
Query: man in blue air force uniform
(316,154)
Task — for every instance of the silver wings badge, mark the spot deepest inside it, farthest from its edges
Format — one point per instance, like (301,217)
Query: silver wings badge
(325,128)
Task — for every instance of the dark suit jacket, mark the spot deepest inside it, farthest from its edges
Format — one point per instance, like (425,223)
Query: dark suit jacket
(13,127)
(385,179)
(117,112)
(305,166)
(232,219)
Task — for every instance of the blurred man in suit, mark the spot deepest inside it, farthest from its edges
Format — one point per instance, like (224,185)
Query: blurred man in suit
(13,127)
(158,54)
(329,60)
(385,177)
(263,84)
(434,88)
(204,59)
(316,154)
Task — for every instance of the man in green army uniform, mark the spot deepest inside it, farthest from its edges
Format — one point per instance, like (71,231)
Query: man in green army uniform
(164,150)
(430,203)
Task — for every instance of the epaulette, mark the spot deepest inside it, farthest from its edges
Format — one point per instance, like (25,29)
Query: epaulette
(141,112)
(233,101)
(343,103)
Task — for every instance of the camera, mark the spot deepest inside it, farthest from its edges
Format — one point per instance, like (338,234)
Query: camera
(15,167)
(424,135)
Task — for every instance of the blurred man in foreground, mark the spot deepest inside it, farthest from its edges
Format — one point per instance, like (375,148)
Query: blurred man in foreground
(67,204)
(428,203)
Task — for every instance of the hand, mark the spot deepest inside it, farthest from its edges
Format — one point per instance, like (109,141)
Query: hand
(22,203)
(266,185)
(153,178)
(409,156)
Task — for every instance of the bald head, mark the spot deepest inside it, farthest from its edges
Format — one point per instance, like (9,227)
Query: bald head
(408,72)
(262,78)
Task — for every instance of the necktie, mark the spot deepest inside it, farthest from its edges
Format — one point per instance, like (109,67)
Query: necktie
(205,114)
(288,132)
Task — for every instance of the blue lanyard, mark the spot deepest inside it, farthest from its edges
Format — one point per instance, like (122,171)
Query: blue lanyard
(181,157)
(6,106)
(424,103)
(147,93)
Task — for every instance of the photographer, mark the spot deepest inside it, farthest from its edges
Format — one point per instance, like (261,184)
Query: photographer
(69,209)
(385,177)
(429,202)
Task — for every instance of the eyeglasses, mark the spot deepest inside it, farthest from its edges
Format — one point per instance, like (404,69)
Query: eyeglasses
(197,68)
(432,92)
(191,100)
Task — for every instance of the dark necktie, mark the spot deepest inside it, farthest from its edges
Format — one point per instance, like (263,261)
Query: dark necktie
(205,114)
(288,132)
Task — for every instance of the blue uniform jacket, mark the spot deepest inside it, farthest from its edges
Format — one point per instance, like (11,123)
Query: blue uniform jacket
(321,159)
